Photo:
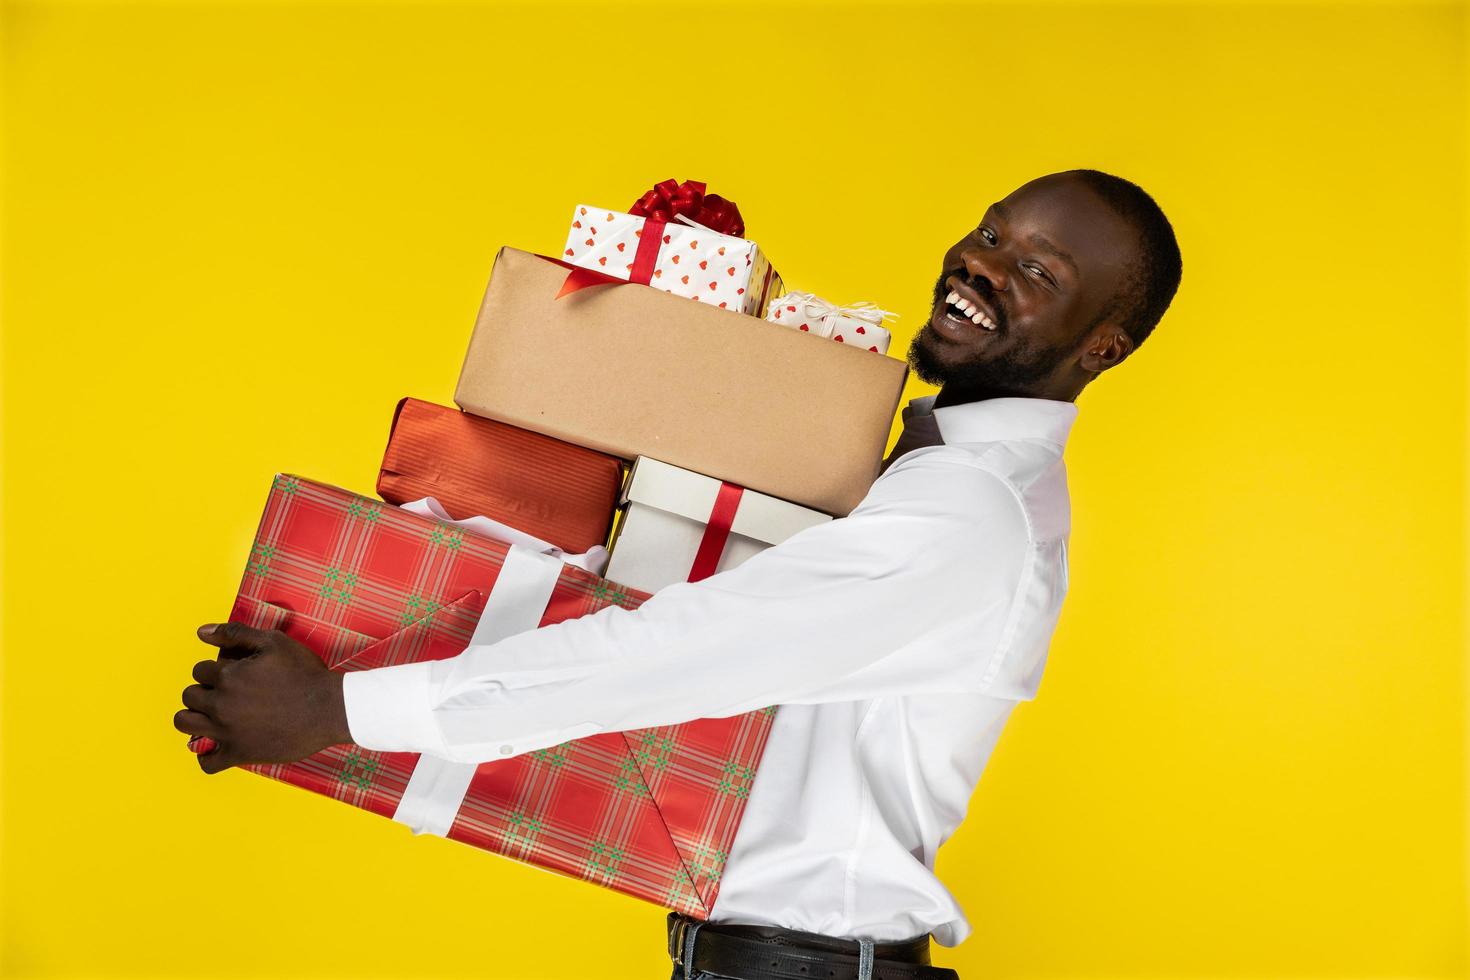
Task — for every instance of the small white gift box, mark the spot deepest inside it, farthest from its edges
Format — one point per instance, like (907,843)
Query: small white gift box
(679,526)
(858,325)
(679,258)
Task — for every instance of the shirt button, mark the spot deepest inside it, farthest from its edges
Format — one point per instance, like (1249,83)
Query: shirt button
(506,749)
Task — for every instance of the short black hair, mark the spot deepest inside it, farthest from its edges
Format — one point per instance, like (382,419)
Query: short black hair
(1153,278)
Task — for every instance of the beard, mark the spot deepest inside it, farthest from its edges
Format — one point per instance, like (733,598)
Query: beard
(986,374)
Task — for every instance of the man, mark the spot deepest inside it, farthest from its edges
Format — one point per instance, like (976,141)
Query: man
(897,639)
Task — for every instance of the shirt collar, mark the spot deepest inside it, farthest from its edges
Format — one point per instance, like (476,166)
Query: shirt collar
(998,419)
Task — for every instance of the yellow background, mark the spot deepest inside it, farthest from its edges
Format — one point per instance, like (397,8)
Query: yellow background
(234,235)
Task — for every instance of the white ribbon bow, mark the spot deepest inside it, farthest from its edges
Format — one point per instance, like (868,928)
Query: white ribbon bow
(866,312)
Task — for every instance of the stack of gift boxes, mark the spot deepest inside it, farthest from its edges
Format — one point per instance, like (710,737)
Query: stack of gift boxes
(631,413)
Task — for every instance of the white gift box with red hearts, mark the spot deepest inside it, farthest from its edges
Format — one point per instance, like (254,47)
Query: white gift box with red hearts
(692,261)
(859,325)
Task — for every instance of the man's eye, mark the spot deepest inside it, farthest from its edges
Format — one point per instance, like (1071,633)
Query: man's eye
(986,231)
(1036,272)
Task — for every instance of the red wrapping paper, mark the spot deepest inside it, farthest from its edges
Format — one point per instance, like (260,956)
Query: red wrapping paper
(560,493)
(650,813)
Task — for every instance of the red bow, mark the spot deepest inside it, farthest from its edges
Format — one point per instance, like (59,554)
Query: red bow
(669,198)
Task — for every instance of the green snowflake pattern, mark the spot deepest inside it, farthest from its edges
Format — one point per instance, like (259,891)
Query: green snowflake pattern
(680,890)
(629,779)
(364,511)
(450,537)
(521,829)
(358,769)
(260,563)
(417,607)
(604,860)
(338,584)
(552,756)
(655,751)
(709,860)
(604,592)
(736,781)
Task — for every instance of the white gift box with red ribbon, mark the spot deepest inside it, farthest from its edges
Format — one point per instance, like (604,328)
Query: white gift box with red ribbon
(679,257)
(681,526)
(857,325)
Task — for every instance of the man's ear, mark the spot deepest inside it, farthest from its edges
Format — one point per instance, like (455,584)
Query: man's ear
(1108,345)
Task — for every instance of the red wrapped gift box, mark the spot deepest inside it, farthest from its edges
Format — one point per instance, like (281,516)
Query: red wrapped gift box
(651,813)
(558,492)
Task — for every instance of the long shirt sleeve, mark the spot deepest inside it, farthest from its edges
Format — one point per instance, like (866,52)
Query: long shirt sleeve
(910,593)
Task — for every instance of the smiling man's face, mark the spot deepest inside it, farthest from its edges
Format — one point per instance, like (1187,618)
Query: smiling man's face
(1016,307)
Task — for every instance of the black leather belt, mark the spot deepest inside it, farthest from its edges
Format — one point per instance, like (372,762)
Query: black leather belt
(761,952)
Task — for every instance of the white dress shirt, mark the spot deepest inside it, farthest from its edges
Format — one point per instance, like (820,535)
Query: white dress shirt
(897,640)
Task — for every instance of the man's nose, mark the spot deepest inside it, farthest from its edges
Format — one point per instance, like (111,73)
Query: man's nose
(982,264)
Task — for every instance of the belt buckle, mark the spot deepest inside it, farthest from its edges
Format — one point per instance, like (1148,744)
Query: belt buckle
(681,944)
(676,940)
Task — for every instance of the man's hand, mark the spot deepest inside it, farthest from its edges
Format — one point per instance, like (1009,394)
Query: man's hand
(267,698)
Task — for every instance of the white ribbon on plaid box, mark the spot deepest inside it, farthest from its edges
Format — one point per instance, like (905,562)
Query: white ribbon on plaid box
(593,559)
(436,789)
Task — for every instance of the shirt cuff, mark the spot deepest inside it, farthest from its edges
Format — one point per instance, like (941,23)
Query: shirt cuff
(388,709)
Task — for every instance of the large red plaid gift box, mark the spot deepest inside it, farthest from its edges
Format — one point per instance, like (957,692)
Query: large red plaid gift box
(651,813)
(547,488)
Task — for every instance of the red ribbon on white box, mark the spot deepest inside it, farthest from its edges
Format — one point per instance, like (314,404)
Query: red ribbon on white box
(641,272)
(716,532)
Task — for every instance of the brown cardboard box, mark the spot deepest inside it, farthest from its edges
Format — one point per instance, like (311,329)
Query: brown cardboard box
(634,371)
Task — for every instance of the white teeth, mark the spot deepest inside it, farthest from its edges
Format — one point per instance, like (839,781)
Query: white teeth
(970,310)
